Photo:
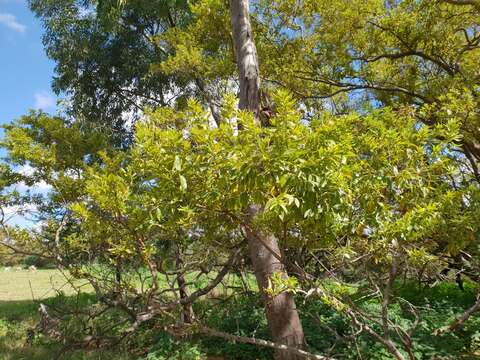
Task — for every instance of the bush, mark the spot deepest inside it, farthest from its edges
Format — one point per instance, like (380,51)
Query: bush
(242,315)
(168,348)
(37,261)
(9,259)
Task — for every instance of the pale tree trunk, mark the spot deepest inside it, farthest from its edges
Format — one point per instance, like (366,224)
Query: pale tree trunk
(282,315)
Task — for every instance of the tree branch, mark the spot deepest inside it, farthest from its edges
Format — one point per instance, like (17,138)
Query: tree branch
(460,320)
(259,342)
(474,3)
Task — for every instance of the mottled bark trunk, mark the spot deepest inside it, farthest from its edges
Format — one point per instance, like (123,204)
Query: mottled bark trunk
(246,56)
(283,320)
(282,315)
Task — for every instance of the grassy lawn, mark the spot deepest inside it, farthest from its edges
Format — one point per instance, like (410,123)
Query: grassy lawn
(32,285)
(20,291)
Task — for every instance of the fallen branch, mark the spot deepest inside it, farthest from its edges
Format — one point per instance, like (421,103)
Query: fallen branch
(460,320)
(259,342)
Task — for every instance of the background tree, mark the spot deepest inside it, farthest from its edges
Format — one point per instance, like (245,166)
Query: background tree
(104,54)
(381,53)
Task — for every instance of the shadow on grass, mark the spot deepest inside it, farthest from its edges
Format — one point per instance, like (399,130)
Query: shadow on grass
(17,317)
(21,310)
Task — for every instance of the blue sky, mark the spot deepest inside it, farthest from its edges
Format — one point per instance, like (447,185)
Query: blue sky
(25,71)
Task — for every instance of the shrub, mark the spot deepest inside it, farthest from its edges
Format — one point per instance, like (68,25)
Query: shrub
(37,261)
(168,348)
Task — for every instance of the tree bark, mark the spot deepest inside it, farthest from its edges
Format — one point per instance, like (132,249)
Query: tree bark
(282,315)
(246,57)
(187,312)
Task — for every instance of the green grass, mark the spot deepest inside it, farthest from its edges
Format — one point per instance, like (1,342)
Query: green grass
(20,292)
(17,317)
(42,284)
(33,285)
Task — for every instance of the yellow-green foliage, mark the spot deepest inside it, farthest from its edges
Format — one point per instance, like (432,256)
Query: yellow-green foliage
(380,180)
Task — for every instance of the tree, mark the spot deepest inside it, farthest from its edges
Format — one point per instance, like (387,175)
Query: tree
(344,56)
(265,253)
(104,54)
(349,195)
(364,182)
(383,53)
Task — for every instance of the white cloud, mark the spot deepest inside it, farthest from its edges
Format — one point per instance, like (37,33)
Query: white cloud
(40,187)
(11,22)
(44,100)
(22,216)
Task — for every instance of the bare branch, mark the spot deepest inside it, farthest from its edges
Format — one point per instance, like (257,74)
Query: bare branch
(475,3)
(260,342)
(460,320)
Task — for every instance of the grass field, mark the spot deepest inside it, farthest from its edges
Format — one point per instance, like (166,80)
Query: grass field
(20,292)
(32,285)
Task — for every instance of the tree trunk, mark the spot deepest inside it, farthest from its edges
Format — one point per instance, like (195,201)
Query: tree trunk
(282,316)
(187,312)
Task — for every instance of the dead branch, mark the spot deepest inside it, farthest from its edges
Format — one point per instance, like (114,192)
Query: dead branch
(458,322)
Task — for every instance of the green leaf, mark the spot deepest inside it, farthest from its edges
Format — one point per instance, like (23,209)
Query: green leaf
(177,165)
(183,183)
